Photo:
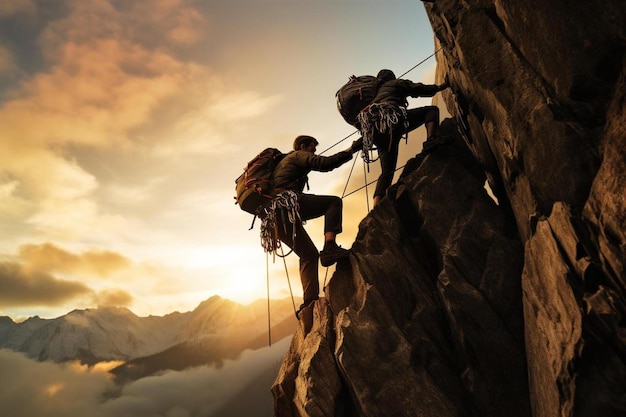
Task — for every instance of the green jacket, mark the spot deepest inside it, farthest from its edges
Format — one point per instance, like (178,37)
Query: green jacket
(396,91)
(292,172)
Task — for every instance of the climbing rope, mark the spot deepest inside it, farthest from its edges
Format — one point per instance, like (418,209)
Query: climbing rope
(367,197)
(269,321)
(284,204)
(368,183)
(421,62)
(349,175)
(288,280)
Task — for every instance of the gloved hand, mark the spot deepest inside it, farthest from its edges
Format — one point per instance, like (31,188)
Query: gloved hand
(357,145)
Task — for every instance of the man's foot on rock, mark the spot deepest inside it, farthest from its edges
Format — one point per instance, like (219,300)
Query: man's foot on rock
(332,253)
(432,143)
(303,306)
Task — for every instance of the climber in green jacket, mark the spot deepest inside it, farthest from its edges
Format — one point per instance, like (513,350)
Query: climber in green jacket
(291,174)
(384,122)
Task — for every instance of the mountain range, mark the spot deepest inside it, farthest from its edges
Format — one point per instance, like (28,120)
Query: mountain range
(216,330)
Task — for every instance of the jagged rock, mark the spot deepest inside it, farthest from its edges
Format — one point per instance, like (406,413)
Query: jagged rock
(427,318)
(308,383)
(428,315)
(532,82)
(605,209)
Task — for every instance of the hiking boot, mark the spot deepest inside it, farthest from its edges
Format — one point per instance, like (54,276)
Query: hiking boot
(432,143)
(303,306)
(332,253)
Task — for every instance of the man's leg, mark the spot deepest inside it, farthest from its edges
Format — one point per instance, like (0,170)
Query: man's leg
(309,257)
(427,116)
(388,160)
(331,207)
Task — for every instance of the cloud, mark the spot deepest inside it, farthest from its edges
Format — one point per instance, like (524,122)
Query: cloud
(51,258)
(8,8)
(70,390)
(20,287)
(95,277)
(181,24)
(7,62)
(114,298)
(29,279)
(93,95)
(115,79)
(32,388)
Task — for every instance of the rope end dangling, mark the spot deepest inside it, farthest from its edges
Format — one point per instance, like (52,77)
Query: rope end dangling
(367,133)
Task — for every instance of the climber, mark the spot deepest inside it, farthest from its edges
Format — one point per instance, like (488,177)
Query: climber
(290,175)
(384,122)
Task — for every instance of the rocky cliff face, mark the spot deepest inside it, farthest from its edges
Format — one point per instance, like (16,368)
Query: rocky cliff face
(455,305)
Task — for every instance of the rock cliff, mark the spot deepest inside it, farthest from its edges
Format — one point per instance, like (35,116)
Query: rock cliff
(456,304)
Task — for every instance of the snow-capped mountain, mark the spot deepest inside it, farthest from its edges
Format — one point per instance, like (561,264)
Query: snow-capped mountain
(114,333)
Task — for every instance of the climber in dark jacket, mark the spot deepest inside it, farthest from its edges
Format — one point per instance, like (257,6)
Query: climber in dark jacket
(291,174)
(387,120)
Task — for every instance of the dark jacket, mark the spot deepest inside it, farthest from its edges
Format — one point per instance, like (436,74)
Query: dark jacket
(396,91)
(292,172)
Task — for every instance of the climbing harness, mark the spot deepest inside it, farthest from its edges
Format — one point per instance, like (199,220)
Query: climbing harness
(380,117)
(283,207)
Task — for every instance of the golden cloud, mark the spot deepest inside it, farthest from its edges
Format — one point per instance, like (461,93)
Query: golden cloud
(48,257)
(7,62)
(113,298)
(94,95)
(20,287)
(8,8)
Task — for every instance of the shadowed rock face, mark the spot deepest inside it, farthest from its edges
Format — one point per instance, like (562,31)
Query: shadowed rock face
(453,305)
(427,315)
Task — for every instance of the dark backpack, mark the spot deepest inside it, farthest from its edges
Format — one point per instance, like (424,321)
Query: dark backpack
(356,95)
(254,187)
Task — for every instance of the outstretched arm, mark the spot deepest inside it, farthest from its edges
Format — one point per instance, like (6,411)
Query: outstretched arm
(328,163)
(426,90)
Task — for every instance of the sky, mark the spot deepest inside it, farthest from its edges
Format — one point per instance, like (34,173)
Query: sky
(124,124)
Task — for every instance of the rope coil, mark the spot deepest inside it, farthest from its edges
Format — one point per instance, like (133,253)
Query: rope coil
(380,117)
(282,207)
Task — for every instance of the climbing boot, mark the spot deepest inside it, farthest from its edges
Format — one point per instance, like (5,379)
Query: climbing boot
(432,143)
(332,253)
(303,306)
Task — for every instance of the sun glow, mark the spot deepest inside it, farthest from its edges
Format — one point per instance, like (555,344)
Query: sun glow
(52,389)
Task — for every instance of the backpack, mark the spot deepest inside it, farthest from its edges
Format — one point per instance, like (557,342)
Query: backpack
(356,95)
(254,187)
